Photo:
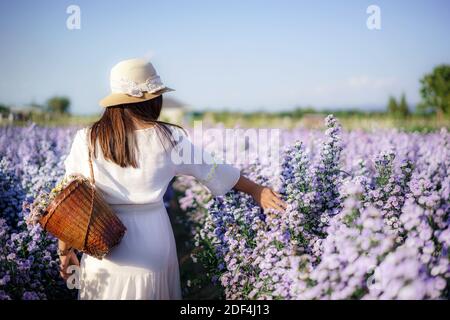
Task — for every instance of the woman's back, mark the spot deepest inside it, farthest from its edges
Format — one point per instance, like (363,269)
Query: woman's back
(143,185)
(147,183)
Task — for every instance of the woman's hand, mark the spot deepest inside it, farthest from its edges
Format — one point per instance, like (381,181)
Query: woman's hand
(265,197)
(67,260)
(268,199)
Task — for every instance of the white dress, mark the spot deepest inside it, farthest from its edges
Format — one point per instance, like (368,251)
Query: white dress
(144,265)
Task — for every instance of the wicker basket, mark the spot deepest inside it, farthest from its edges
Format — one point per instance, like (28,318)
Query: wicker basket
(80,217)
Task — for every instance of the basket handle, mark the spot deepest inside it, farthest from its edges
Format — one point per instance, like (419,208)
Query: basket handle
(92,179)
(91,169)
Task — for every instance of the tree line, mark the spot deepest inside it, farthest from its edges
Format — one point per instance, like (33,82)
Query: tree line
(57,105)
(435,92)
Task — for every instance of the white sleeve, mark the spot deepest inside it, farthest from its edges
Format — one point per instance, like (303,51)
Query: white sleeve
(194,161)
(77,159)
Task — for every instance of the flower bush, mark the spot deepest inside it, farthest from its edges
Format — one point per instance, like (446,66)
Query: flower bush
(31,162)
(367,218)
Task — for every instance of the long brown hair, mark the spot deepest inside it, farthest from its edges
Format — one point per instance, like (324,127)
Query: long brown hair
(116,134)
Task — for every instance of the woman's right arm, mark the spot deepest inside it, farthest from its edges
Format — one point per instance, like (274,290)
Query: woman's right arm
(67,258)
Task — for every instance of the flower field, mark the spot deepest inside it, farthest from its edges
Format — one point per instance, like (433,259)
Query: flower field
(367,218)
(31,159)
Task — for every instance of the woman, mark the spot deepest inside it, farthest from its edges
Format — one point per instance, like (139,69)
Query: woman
(133,165)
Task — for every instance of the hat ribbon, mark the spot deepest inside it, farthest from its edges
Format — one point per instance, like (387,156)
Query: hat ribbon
(135,89)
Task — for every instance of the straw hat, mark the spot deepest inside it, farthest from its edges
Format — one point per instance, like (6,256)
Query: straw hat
(131,81)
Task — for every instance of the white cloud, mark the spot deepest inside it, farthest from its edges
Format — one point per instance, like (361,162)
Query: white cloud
(357,89)
(366,82)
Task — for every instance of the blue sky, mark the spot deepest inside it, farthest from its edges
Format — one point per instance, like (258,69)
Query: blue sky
(241,55)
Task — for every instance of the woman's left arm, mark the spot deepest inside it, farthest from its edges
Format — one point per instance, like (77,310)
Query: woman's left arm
(220,178)
(265,197)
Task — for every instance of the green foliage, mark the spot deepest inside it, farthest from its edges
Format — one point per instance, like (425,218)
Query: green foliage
(58,105)
(398,109)
(435,90)
(403,107)
(298,112)
(392,105)
(4,109)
